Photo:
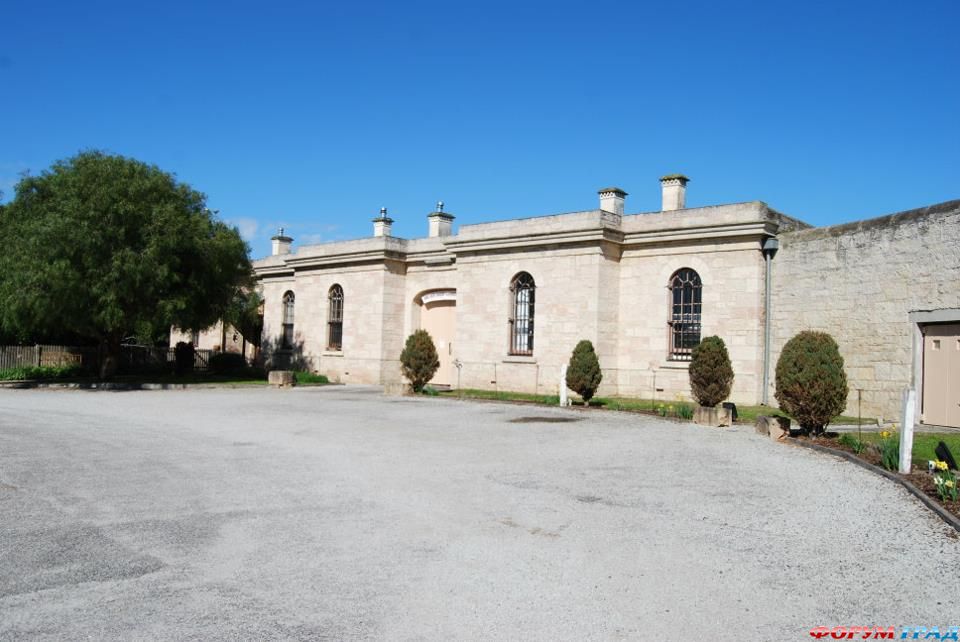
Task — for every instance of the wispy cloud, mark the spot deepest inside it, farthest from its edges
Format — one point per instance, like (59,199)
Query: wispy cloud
(309,234)
(10,174)
(6,187)
(248,227)
(311,239)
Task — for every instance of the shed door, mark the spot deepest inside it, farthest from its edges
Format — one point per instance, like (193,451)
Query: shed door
(941,375)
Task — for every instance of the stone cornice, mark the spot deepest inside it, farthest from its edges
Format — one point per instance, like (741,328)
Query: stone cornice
(574,231)
(756,229)
(347,258)
(520,242)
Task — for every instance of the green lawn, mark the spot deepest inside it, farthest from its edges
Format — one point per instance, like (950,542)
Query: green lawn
(924,444)
(746,413)
(472,393)
(750,413)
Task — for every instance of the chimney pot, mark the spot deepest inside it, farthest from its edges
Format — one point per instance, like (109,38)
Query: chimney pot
(280,244)
(674,188)
(440,222)
(612,199)
(382,224)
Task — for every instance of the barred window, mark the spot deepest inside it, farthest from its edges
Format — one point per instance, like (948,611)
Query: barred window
(286,341)
(335,318)
(523,289)
(686,296)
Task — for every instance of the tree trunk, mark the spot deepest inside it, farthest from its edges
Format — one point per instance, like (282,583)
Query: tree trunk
(109,357)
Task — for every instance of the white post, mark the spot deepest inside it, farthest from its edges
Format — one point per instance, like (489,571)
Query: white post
(908,415)
(564,400)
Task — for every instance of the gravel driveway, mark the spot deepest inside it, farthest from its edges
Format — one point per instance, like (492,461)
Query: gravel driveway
(337,513)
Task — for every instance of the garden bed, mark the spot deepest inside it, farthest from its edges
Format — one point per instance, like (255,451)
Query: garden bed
(917,482)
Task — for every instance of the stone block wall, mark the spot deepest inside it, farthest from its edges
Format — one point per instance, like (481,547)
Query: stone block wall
(732,274)
(364,297)
(566,311)
(859,282)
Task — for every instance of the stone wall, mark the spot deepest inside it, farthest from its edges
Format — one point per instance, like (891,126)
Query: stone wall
(858,282)
(566,311)
(363,320)
(732,277)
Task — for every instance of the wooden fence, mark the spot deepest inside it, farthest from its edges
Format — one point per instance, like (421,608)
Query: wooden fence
(133,359)
(42,355)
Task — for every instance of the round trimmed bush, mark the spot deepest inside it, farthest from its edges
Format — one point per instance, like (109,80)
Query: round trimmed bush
(811,383)
(583,371)
(419,359)
(711,374)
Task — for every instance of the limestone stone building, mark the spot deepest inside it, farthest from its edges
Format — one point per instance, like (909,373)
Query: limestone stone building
(507,301)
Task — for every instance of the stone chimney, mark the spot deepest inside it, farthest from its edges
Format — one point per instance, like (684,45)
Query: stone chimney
(611,200)
(441,223)
(281,244)
(674,192)
(381,224)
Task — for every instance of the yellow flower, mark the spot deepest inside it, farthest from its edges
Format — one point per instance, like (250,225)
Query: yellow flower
(948,483)
(884,434)
(941,465)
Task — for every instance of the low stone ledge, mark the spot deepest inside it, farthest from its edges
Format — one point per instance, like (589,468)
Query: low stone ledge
(397,389)
(776,427)
(281,378)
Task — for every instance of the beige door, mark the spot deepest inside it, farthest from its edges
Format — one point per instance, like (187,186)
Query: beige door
(439,318)
(941,375)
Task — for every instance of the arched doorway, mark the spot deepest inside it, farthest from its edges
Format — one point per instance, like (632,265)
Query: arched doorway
(438,316)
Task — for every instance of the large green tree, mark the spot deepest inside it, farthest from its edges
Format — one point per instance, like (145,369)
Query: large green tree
(105,247)
(245,314)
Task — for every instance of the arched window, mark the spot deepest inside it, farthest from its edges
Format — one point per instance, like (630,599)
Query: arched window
(335,318)
(686,296)
(286,341)
(521,323)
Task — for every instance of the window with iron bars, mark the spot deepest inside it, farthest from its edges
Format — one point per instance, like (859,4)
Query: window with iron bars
(686,297)
(286,341)
(523,289)
(335,319)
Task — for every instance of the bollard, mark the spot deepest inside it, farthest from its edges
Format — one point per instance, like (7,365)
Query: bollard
(564,400)
(908,415)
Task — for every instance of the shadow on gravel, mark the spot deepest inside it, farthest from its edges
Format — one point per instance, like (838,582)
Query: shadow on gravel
(50,558)
(543,420)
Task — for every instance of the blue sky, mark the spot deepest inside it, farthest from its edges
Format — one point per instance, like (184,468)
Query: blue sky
(314,115)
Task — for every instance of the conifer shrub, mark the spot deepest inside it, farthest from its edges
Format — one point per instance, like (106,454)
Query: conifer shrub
(711,373)
(183,355)
(419,359)
(811,383)
(583,371)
